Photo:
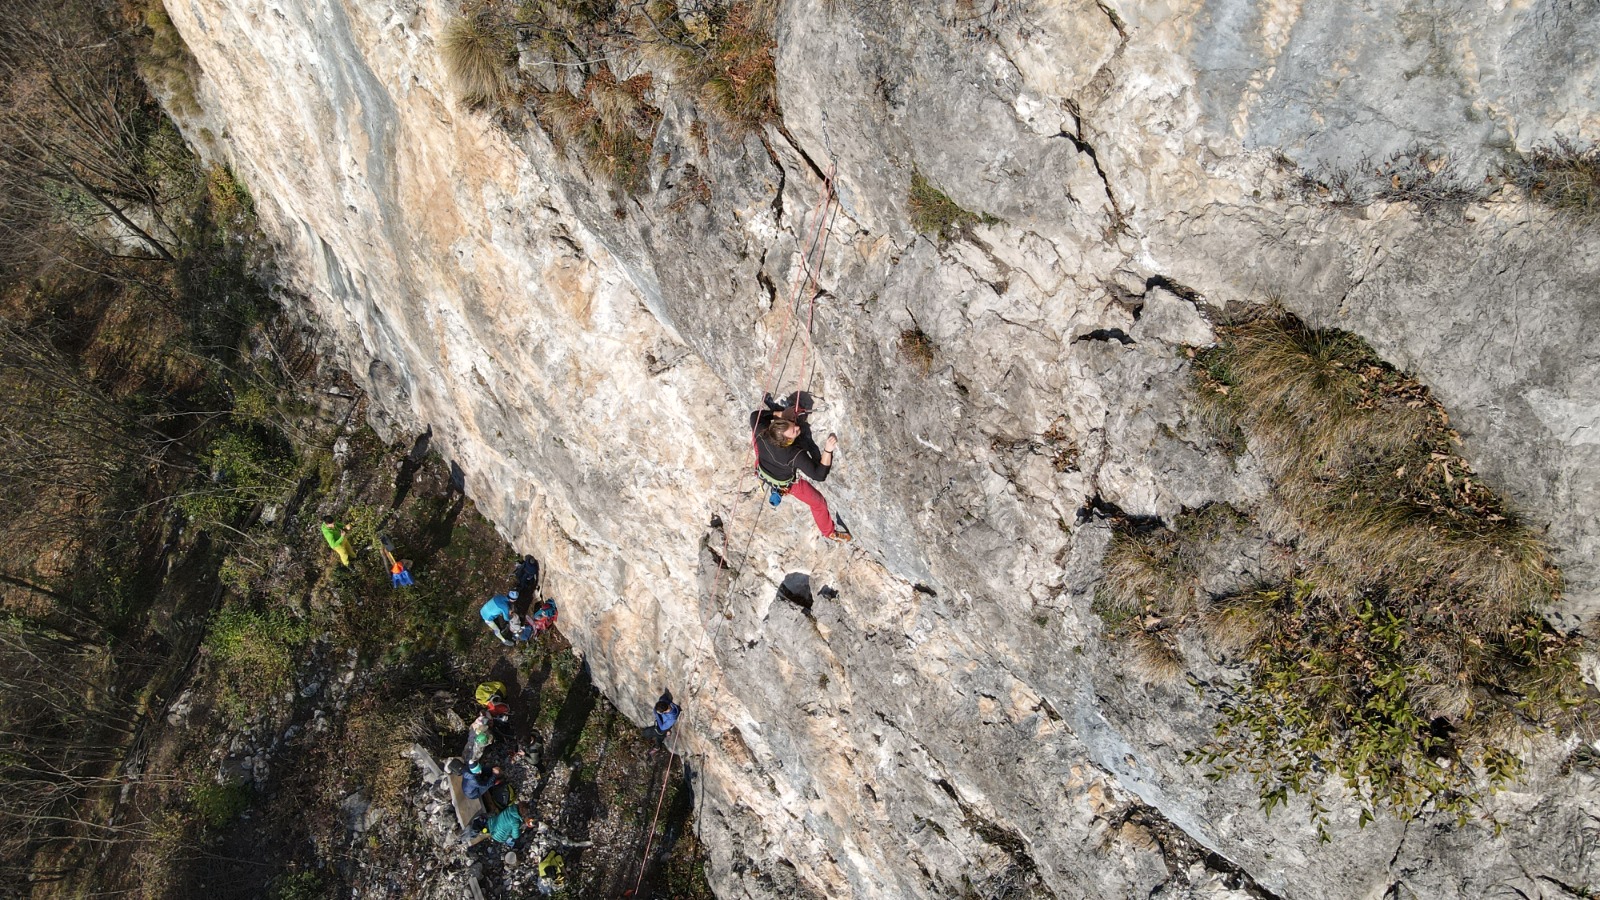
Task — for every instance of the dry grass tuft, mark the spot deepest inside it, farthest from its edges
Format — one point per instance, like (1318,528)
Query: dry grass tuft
(724,50)
(916,349)
(1155,659)
(614,104)
(1235,624)
(609,126)
(373,741)
(1147,572)
(477,50)
(1409,631)
(1563,176)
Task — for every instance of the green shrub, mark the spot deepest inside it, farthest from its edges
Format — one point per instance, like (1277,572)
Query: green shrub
(231,204)
(219,804)
(254,653)
(1403,655)
(167,62)
(302,886)
(240,471)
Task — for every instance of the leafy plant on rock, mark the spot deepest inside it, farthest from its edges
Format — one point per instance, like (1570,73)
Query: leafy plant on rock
(1403,655)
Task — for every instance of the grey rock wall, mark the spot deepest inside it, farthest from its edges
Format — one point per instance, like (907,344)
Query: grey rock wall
(946,721)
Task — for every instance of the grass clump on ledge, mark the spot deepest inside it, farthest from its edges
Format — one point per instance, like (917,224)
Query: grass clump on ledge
(934,213)
(916,349)
(1401,652)
(722,49)
(610,126)
(477,50)
(1562,176)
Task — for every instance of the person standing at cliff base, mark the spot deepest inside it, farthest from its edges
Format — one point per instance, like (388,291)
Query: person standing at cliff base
(338,538)
(785,450)
(526,575)
(666,717)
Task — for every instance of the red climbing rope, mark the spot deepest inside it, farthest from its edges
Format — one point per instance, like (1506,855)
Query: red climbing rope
(805,278)
(665,780)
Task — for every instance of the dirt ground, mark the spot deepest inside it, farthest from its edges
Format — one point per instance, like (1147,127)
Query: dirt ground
(306,795)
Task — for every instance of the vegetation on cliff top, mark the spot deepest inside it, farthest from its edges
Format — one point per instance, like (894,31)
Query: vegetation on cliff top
(1397,647)
(558,61)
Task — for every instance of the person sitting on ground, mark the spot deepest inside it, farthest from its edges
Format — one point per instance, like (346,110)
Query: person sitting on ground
(507,825)
(337,536)
(479,779)
(503,620)
(785,450)
(666,717)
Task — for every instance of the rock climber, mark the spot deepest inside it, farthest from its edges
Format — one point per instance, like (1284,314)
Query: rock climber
(337,536)
(498,613)
(666,717)
(785,450)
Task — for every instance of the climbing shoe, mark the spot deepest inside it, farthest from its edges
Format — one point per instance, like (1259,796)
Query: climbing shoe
(840,534)
(774,496)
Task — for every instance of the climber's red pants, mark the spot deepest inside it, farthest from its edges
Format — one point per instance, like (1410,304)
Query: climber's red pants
(803,491)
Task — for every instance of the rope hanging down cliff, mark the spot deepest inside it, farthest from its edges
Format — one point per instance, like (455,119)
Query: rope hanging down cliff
(806,280)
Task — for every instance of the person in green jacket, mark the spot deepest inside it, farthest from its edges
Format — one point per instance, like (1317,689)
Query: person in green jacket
(337,537)
(507,824)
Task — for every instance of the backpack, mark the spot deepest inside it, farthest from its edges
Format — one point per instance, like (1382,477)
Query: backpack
(489,691)
(491,696)
(545,617)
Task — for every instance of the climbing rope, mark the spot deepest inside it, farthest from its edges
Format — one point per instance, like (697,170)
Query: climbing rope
(806,280)
(805,277)
(650,840)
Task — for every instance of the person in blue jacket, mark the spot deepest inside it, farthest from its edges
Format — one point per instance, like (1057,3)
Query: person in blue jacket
(499,614)
(479,779)
(666,717)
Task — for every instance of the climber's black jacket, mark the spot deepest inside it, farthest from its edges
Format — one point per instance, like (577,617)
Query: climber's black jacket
(781,463)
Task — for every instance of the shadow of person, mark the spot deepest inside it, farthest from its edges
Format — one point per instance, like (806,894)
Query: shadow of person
(409,466)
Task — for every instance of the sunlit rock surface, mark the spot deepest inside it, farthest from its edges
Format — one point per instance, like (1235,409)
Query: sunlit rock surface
(948,718)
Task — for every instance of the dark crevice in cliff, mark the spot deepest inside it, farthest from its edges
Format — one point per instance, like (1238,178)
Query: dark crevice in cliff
(767,285)
(811,164)
(1024,870)
(1106,334)
(1116,22)
(1174,287)
(1118,221)
(1098,507)
(783,182)
(1181,852)
(796,589)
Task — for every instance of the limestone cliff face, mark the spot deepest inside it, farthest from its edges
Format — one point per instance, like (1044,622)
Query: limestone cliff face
(948,719)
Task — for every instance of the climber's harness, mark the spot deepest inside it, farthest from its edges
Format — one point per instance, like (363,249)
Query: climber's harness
(775,484)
